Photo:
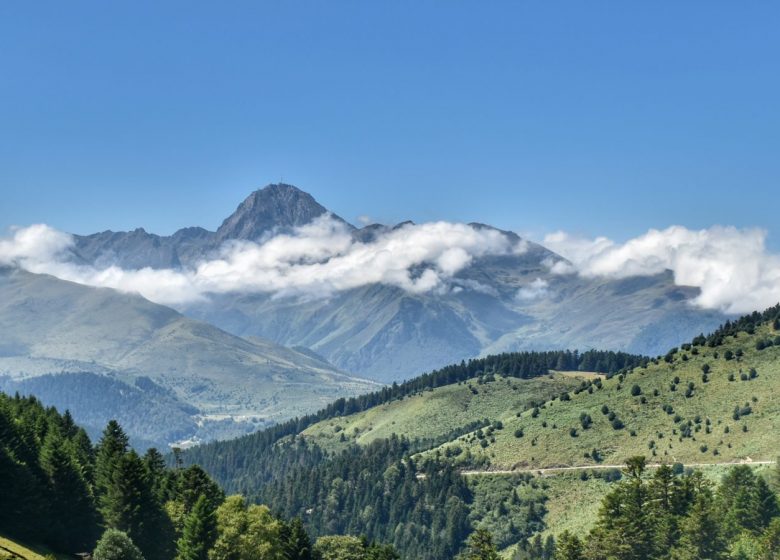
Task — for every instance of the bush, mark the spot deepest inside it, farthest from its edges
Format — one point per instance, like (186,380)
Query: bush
(636,390)
(573,432)
(617,424)
(519,432)
(116,545)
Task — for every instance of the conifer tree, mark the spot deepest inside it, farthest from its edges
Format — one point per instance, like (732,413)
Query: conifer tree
(73,514)
(701,534)
(199,533)
(295,541)
(481,547)
(110,450)
(568,547)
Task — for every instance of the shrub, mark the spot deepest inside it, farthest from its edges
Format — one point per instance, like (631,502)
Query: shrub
(617,424)
(116,545)
(573,432)
(519,432)
(636,390)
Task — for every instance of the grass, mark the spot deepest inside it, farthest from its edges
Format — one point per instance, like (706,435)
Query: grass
(548,441)
(10,548)
(438,412)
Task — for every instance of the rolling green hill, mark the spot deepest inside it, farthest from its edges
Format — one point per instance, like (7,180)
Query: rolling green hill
(537,444)
(437,412)
(670,410)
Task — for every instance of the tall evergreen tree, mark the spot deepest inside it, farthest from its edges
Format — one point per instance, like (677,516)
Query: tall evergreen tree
(73,513)
(481,547)
(701,535)
(295,541)
(568,547)
(199,534)
(110,450)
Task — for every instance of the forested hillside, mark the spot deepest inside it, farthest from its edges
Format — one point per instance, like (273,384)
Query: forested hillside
(387,464)
(58,490)
(379,489)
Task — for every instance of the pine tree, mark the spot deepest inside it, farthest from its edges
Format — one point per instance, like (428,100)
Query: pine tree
(569,547)
(159,476)
(625,528)
(110,450)
(199,534)
(701,532)
(481,547)
(130,506)
(74,518)
(295,541)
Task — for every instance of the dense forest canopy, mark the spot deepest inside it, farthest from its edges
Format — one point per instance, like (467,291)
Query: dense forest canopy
(59,490)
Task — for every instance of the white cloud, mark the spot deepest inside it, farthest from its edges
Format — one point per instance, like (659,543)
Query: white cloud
(534,290)
(731,266)
(316,260)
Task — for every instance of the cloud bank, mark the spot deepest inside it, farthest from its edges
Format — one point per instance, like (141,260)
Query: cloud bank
(732,267)
(315,260)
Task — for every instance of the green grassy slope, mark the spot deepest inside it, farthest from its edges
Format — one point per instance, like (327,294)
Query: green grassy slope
(11,549)
(438,412)
(715,435)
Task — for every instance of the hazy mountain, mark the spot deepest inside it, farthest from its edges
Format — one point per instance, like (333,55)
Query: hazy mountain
(53,326)
(500,303)
(276,208)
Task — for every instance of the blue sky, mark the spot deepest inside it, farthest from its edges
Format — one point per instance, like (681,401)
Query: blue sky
(593,117)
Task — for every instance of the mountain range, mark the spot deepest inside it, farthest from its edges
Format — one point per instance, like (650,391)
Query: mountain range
(236,360)
(387,333)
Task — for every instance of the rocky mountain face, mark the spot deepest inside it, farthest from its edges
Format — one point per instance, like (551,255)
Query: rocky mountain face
(389,334)
(276,208)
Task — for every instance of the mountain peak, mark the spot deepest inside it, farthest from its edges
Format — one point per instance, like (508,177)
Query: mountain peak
(276,206)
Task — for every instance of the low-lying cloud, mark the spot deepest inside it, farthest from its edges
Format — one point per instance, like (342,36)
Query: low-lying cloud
(732,267)
(315,260)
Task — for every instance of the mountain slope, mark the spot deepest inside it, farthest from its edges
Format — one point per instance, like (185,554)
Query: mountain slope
(50,326)
(494,422)
(671,410)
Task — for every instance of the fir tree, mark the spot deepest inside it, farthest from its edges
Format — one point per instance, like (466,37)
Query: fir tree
(295,541)
(199,534)
(481,547)
(568,547)
(74,518)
